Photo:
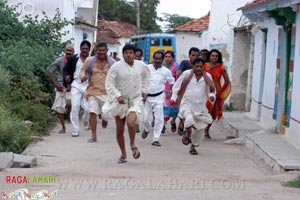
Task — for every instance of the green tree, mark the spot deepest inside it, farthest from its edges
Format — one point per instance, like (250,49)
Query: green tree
(125,11)
(26,49)
(173,21)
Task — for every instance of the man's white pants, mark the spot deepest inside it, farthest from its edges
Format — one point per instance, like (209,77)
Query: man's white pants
(155,105)
(77,100)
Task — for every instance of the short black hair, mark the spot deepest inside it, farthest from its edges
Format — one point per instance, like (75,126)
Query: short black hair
(128,47)
(159,52)
(85,42)
(195,49)
(198,59)
(101,44)
(139,50)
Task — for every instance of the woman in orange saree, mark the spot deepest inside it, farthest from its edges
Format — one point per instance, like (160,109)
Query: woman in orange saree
(222,83)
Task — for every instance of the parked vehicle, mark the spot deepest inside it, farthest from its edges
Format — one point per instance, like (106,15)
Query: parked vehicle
(152,42)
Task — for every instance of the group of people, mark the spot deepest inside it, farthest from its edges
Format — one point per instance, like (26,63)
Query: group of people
(131,91)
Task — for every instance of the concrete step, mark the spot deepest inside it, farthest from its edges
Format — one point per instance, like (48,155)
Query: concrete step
(270,147)
(6,160)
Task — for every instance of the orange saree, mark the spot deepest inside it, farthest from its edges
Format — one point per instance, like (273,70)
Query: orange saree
(223,88)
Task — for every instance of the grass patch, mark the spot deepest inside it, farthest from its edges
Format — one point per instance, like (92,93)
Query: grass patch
(294,183)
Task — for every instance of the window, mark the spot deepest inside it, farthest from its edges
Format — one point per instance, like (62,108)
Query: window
(154,42)
(167,42)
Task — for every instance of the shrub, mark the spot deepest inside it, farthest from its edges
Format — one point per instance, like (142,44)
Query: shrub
(26,49)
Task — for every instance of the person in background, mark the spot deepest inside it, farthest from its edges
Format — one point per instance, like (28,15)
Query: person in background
(115,56)
(204,55)
(170,110)
(127,85)
(194,53)
(62,92)
(156,98)
(192,89)
(71,76)
(95,70)
(218,72)
(138,55)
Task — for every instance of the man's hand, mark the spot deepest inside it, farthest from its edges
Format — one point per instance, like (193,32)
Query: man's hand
(121,100)
(68,87)
(68,79)
(169,95)
(212,99)
(144,96)
(58,87)
(84,78)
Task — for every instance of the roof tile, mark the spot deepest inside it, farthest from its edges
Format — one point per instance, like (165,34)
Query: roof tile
(197,25)
(111,31)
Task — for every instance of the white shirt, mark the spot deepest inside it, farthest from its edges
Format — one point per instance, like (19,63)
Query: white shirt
(196,93)
(127,81)
(77,82)
(158,78)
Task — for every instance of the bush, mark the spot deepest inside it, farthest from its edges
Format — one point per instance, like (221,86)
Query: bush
(26,49)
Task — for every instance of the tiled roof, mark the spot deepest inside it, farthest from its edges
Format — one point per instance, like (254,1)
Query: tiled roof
(197,25)
(111,31)
(253,3)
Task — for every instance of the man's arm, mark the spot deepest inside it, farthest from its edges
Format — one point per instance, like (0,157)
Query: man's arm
(112,91)
(51,69)
(67,70)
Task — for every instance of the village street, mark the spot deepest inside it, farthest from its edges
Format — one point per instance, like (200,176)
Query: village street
(90,171)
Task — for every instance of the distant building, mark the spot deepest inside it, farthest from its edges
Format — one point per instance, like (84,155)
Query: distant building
(189,35)
(115,34)
(83,12)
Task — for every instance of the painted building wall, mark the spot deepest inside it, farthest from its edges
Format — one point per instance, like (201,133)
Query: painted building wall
(223,18)
(257,79)
(292,133)
(184,41)
(268,81)
(268,97)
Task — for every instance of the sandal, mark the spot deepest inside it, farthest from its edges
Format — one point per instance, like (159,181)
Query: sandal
(156,143)
(122,159)
(104,123)
(193,151)
(62,131)
(135,152)
(92,140)
(163,129)
(145,134)
(185,139)
(173,127)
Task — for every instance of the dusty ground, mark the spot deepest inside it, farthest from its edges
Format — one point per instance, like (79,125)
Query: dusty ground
(90,171)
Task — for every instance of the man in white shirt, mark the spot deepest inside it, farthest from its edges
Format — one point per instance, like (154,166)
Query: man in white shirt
(156,98)
(127,84)
(192,89)
(71,76)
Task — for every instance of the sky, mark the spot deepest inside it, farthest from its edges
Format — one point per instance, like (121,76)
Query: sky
(190,8)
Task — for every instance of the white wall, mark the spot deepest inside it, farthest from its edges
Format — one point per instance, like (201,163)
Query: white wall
(184,41)
(270,74)
(256,78)
(292,134)
(223,18)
